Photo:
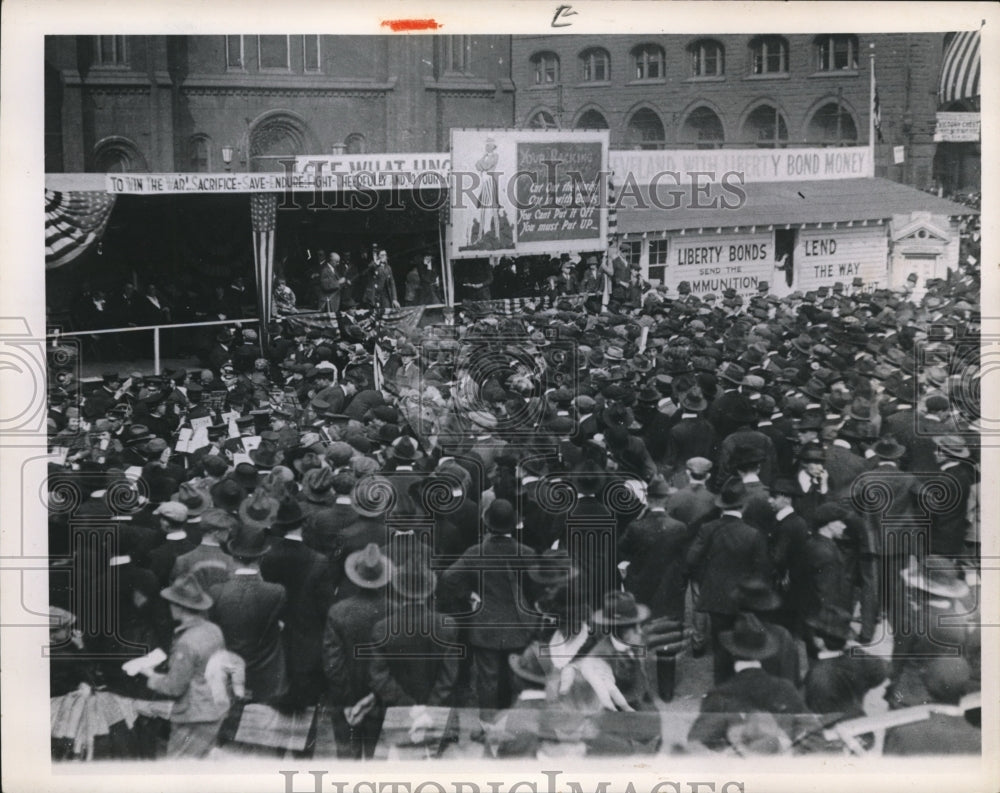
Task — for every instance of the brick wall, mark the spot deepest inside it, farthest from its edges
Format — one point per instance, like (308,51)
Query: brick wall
(398,93)
(906,70)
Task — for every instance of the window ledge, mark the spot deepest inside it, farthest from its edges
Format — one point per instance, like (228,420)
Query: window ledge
(768,76)
(544,86)
(593,84)
(648,81)
(711,78)
(835,73)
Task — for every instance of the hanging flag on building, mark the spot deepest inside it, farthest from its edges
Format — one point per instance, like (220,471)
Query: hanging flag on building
(263,216)
(876,110)
(960,68)
(73,222)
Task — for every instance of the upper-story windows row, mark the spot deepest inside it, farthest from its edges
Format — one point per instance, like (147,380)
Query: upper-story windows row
(766,56)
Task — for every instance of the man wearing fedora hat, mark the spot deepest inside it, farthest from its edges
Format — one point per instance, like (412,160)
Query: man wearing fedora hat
(819,576)
(416,662)
(196,716)
(725,552)
(249,609)
(357,715)
(750,690)
(495,596)
(950,523)
(209,563)
(305,575)
(841,674)
(654,546)
(614,667)
(691,435)
(941,612)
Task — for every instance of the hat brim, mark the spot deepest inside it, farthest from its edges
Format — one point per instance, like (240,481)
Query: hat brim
(351,571)
(514,660)
(203,604)
(641,615)
(957,590)
(770,647)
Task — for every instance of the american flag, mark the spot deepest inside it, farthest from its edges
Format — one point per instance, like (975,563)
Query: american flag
(516,306)
(73,222)
(876,111)
(263,216)
(960,69)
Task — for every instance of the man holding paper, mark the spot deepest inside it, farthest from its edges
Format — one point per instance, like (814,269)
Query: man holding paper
(196,716)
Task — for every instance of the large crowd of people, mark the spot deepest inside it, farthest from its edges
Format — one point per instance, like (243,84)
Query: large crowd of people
(530,515)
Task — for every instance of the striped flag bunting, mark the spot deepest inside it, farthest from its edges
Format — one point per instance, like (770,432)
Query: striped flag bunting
(405,319)
(263,216)
(73,222)
(515,306)
(960,68)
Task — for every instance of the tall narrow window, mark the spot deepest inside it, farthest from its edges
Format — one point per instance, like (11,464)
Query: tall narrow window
(647,62)
(234,52)
(768,55)
(657,260)
(836,53)
(110,51)
(273,51)
(311,54)
(708,59)
(596,65)
(546,65)
(200,151)
(457,54)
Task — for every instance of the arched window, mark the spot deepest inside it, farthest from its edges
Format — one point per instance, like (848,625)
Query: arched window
(276,137)
(647,62)
(836,52)
(118,155)
(592,119)
(645,130)
(543,119)
(546,66)
(766,127)
(200,154)
(704,128)
(768,55)
(595,65)
(832,124)
(708,58)
(355,143)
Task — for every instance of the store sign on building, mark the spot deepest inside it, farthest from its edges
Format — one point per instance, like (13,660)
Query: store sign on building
(523,192)
(754,165)
(713,263)
(825,256)
(957,127)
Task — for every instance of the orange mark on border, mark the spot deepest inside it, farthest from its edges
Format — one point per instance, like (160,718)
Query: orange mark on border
(403,25)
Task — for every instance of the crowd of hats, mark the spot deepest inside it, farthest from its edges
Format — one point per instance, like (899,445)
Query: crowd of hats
(816,358)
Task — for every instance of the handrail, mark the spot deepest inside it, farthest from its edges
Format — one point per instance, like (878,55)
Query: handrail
(60,334)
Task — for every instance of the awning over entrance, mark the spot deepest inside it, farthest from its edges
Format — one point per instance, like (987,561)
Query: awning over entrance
(775,204)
